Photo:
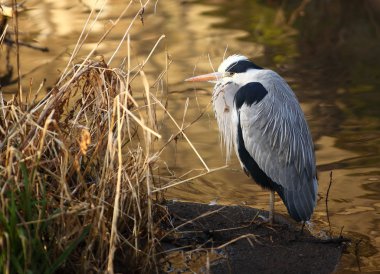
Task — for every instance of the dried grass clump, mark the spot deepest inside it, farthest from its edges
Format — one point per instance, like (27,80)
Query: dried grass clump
(76,172)
(75,183)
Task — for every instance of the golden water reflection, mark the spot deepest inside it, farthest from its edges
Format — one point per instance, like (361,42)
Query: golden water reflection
(333,68)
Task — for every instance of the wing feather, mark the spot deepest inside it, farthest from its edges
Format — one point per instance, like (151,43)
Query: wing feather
(277,137)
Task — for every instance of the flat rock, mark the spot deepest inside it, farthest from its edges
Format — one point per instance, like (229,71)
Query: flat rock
(241,243)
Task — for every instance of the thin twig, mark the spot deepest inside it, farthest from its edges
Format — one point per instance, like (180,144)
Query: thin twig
(184,134)
(192,220)
(116,205)
(189,179)
(326,201)
(15,21)
(357,256)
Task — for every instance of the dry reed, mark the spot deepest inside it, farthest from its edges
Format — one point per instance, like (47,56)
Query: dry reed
(71,174)
(76,173)
(78,170)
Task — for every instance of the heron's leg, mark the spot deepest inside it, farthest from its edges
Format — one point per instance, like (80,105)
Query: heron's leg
(303,226)
(271,207)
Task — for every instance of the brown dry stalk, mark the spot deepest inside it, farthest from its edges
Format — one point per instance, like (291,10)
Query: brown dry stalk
(79,169)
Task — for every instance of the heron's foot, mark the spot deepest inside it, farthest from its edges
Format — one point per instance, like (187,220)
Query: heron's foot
(308,227)
(277,220)
(267,220)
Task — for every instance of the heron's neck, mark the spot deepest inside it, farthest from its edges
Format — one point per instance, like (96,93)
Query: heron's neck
(252,75)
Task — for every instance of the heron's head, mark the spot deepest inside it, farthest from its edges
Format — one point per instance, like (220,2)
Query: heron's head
(230,69)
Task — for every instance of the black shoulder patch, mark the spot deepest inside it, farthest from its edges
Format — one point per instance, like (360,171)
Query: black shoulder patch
(242,66)
(251,93)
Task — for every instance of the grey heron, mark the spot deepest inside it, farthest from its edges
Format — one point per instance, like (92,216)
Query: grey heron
(259,116)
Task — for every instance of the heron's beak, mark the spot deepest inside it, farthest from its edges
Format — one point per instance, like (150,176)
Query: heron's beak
(211,77)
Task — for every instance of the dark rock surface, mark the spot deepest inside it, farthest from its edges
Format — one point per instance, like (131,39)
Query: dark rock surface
(246,245)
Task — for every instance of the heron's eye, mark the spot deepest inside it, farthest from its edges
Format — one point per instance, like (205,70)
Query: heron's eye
(229,74)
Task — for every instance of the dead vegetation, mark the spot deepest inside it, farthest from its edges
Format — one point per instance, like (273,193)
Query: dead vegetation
(81,179)
(72,174)
(77,171)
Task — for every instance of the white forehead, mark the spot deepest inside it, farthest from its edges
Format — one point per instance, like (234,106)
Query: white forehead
(229,61)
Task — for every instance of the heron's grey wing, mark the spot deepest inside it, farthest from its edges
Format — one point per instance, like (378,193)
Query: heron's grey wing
(276,136)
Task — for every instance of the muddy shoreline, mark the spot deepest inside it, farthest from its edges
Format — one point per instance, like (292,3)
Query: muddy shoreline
(231,239)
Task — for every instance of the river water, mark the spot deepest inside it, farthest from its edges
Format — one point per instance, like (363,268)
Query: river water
(328,51)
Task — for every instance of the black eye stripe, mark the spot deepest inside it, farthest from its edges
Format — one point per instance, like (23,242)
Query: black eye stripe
(242,66)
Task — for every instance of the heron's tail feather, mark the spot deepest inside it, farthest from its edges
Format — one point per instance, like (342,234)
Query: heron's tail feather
(301,203)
